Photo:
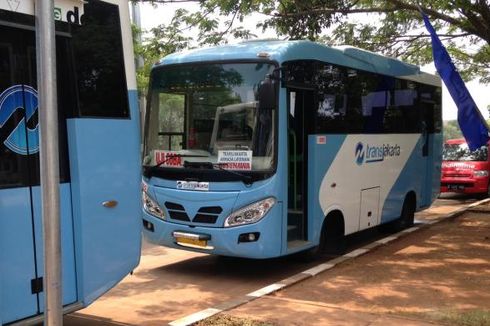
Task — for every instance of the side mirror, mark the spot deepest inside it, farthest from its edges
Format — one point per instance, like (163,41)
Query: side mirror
(267,94)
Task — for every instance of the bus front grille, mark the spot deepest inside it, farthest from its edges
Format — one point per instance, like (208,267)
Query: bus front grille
(205,215)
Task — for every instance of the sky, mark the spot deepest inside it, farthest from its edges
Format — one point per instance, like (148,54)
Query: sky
(153,16)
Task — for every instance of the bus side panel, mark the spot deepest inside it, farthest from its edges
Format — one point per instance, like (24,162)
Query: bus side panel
(105,167)
(16,256)
(69,282)
(364,161)
(420,174)
(411,178)
(436,141)
(320,158)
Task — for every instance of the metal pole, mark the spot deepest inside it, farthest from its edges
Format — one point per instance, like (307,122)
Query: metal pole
(49,158)
(138,60)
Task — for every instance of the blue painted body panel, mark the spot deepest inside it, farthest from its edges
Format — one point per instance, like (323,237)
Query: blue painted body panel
(104,165)
(69,282)
(17,264)
(320,157)
(99,245)
(282,51)
(223,239)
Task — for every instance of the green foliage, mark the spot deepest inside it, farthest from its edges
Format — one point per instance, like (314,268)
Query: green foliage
(392,27)
(451,130)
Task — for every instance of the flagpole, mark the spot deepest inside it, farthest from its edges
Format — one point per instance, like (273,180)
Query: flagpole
(471,122)
(49,160)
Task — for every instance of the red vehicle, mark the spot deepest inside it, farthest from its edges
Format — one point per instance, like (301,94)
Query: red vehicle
(464,171)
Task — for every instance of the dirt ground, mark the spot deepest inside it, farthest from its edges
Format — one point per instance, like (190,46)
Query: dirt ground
(437,275)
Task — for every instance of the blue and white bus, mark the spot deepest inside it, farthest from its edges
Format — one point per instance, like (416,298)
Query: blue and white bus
(99,143)
(267,148)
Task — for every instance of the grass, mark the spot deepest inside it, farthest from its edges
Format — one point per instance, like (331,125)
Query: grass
(456,318)
(225,320)
(466,318)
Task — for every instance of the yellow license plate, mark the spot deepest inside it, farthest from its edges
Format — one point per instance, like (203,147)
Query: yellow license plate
(192,242)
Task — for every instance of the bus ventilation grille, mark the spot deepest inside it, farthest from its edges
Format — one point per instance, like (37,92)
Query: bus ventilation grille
(205,215)
(177,212)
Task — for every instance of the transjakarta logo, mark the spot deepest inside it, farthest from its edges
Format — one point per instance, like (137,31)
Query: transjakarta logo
(22,140)
(375,153)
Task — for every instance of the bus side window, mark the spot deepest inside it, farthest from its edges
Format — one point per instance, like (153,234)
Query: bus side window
(430,104)
(97,45)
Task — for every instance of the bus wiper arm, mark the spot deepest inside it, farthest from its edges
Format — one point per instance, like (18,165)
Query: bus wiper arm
(171,157)
(209,165)
(245,178)
(198,165)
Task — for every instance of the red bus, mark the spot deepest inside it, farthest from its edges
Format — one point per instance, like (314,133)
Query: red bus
(464,171)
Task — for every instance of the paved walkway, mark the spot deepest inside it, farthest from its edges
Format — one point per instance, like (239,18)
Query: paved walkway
(437,275)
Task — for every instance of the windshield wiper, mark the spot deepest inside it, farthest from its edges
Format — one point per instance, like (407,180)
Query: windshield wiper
(209,165)
(245,178)
(198,165)
(152,168)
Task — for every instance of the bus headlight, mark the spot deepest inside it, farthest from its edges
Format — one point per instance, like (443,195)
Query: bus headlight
(251,213)
(480,173)
(151,207)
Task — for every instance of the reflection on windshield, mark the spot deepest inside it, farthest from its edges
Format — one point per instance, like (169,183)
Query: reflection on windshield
(210,113)
(461,152)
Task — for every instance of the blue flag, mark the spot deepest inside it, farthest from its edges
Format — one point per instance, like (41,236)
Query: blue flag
(471,122)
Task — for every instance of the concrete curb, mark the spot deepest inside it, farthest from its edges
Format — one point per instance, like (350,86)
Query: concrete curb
(309,273)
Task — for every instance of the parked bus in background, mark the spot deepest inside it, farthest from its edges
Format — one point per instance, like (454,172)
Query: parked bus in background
(268,148)
(99,145)
(464,171)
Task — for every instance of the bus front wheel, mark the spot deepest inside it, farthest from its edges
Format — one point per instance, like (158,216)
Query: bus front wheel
(407,216)
(332,238)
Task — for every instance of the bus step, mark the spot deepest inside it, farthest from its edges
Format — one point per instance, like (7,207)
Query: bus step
(294,233)
(297,244)
(295,225)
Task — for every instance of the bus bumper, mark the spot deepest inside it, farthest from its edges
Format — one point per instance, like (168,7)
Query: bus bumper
(232,241)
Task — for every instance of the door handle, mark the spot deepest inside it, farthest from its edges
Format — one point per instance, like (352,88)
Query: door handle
(110,203)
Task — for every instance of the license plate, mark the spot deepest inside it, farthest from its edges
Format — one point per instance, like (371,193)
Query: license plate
(455,187)
(192,242)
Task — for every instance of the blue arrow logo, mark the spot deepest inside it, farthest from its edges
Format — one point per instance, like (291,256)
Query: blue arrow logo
(15,98)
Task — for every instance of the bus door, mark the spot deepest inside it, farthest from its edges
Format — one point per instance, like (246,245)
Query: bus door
(21,250)
(299,103)
(429,118)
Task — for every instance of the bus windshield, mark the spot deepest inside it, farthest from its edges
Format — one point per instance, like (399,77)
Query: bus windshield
(461,152)
(208,115)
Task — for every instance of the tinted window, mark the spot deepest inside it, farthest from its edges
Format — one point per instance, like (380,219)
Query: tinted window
(97,45)
(353,101)
(18,84)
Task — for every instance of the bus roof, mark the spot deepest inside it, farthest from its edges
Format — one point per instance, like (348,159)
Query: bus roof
(282,51)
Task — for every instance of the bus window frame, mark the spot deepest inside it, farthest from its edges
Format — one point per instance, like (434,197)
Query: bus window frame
(214,175)
(436,124)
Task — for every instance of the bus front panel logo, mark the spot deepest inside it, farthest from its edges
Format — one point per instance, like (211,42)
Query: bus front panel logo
(22,140)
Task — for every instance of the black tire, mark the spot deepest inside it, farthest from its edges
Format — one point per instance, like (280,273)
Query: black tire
(332,242)
(407,216)
(315,252)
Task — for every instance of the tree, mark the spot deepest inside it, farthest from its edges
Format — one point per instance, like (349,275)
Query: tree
(392,27)
(451,130)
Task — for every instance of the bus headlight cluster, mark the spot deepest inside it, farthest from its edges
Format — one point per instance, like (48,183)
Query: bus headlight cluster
(251,213)
(151,207)
(480,173)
